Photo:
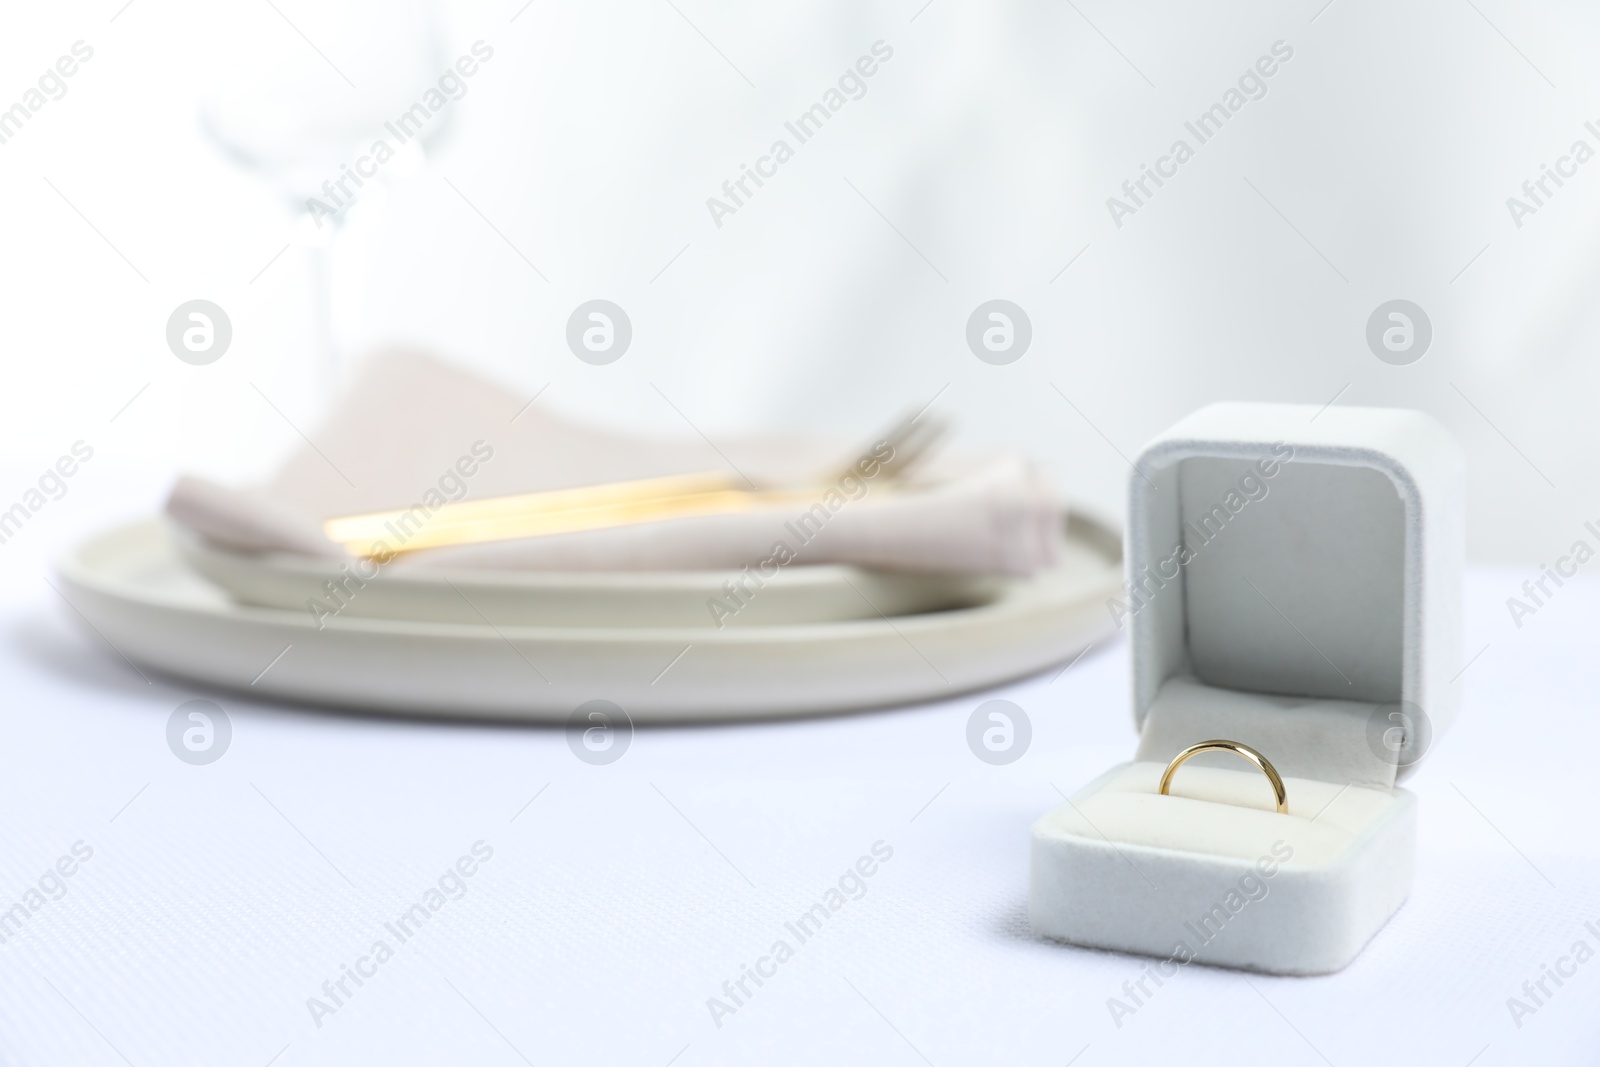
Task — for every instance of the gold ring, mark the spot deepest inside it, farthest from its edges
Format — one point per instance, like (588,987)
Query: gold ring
(1230,746)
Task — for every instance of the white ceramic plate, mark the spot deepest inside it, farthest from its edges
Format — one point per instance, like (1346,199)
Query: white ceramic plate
(795,595)
(132,586)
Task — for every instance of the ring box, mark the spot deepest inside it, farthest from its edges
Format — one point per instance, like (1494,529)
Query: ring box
(1294,584)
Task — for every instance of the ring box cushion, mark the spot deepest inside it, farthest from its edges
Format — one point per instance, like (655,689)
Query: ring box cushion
(1293,578)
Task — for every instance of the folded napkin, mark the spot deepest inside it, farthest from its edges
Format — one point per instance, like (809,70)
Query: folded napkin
(412,432)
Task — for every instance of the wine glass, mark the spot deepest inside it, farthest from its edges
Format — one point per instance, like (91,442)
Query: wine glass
(308,112)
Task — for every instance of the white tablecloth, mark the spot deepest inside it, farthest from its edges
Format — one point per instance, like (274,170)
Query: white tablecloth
(218,899)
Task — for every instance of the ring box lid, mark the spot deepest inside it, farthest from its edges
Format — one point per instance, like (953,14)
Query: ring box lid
(1294,573)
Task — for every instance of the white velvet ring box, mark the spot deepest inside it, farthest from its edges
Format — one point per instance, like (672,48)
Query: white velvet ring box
(1294,584)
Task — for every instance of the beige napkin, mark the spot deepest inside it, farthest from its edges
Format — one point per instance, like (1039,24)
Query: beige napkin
(411,431)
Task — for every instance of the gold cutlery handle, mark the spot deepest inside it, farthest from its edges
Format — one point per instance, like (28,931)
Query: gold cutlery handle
(380,524)
(541,514)
(594,507)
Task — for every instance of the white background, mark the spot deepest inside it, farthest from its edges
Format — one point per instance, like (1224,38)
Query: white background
(1383,153)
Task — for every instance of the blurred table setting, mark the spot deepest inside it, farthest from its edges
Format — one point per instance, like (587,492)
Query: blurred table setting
(438,537)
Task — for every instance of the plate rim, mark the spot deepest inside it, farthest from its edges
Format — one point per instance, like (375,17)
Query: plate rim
(76,571)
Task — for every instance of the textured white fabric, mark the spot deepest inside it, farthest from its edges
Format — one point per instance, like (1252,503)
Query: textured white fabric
(605,919)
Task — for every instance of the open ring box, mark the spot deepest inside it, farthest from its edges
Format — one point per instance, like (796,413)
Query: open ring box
(1294,584)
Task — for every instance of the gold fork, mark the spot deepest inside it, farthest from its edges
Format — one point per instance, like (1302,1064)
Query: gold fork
(592,507)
